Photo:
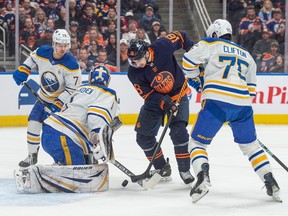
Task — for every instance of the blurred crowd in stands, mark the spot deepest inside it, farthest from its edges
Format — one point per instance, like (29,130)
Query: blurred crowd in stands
(92,25)
(258,25)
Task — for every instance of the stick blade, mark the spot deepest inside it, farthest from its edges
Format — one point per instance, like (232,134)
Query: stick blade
(150,183)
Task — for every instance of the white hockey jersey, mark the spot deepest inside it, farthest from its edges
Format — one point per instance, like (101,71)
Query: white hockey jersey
(58,77)
(230,71)
(89,108)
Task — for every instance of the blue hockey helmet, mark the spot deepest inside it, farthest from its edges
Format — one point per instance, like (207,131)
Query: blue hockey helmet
(137,50)
(99,75)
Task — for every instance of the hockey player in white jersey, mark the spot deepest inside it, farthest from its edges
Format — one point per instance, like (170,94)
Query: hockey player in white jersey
(228,85)
(59,75)
(89,111)
(79,139)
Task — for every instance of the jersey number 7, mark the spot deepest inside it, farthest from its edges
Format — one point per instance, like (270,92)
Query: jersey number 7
(232,61)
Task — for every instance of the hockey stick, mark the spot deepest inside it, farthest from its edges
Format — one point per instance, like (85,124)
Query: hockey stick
(145,175)
(116,163)
(272,155)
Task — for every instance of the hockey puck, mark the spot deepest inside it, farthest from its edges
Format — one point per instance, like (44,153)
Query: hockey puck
(124,183)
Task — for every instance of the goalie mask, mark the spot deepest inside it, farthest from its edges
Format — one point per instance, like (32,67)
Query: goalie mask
(61,36)
(219,28)
(99,75)
(137,50)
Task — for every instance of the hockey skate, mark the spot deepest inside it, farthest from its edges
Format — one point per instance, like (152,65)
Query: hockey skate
(28,161)
(201,188)
(187,177)
(272,187)
(164,172)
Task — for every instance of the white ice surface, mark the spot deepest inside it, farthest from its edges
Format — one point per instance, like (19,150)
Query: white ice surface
(236,190)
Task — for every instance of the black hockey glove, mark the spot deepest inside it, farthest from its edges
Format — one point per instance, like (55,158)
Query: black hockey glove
(168,105)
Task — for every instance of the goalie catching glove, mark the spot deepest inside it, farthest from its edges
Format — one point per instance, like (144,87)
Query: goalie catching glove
(102,143)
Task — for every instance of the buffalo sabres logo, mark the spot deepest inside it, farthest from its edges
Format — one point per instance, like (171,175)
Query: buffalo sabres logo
(163,82)
(49,81)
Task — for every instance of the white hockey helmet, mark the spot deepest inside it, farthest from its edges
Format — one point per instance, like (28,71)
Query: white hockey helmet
(61,36)
(219,28)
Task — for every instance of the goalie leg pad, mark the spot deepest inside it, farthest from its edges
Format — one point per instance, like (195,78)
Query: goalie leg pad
(68,179)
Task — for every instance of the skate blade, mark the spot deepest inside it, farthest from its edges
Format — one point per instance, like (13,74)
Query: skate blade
(197,196)
(277,198)
(151,182)
(166,179)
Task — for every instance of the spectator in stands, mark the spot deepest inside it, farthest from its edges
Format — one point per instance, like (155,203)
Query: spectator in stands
(84,64)
(254,34)
(280,37)
(278,65)
(108,4)
(88,19)
(93,34)
(141,34)
(236,11)
(112,15)
(131,34)
(51,10)
(266,11)
(46,40)
(246,22)
(124,64)
(129,16)
(147,19)
(111,29)
(155,32)
(74,47)
(28,35)
(74,33)
(138,8)
(40,21)
(8,16)
(61,22)
(29,11)
(103,60)
(269,58)
(262,47)
(50,24)
(93,51)
(163,33)
(111,48)
(273,23)
(22,17)
(74,12)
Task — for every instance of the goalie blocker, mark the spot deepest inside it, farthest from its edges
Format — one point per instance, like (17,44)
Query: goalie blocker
(68,179)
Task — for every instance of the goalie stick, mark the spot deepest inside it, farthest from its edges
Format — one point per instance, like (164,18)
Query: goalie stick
(272,155)
(145,175)
(145,184)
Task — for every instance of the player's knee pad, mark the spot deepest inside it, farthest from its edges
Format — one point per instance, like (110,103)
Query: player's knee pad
(145,142)
(178,133)
(249,148)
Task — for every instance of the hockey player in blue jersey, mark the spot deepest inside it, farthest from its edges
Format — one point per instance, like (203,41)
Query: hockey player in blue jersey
(228,86)
(59,74)
(158,79)
(89,111)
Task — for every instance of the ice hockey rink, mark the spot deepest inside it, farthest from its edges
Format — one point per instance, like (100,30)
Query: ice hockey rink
(236,190)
